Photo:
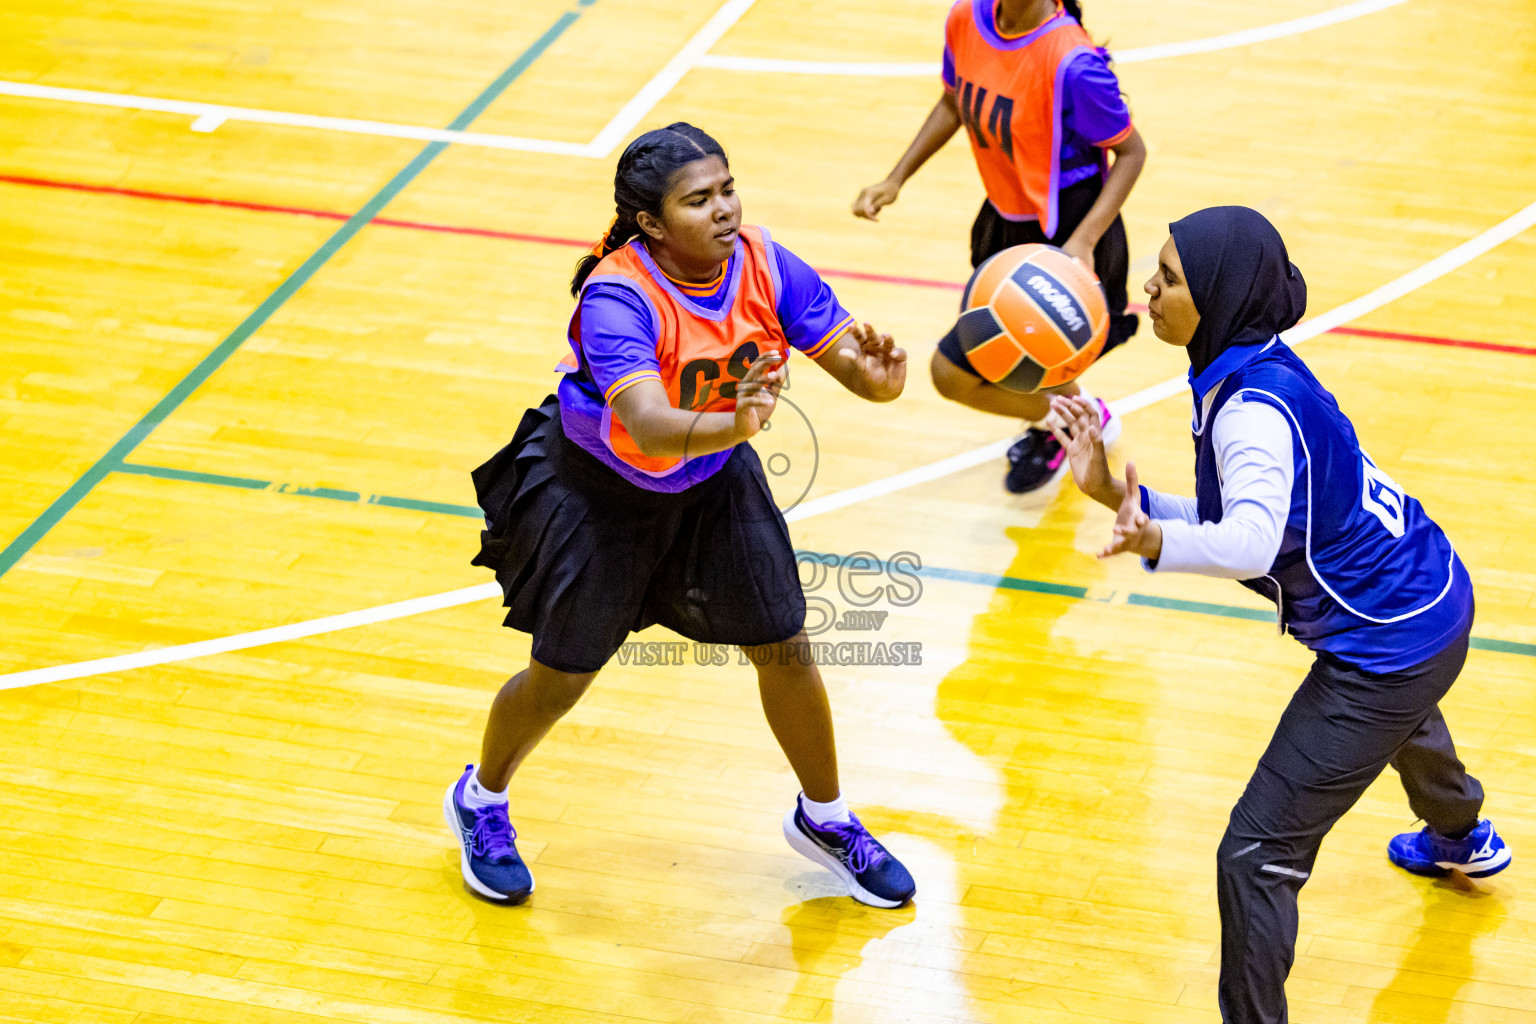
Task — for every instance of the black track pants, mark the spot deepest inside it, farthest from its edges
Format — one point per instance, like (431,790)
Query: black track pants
(1341,729)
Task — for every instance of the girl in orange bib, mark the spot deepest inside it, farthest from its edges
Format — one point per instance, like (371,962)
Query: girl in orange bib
(634,498)
(1042,110)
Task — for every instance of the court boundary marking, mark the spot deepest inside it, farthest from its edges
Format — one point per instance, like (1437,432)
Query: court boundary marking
(575,243)
(1134,55)
(209,117)
(1416,278)
(296,279)
(484,591)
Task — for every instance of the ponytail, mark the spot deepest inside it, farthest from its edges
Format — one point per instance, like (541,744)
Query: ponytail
(1074,8)
(641,183)
(620,231)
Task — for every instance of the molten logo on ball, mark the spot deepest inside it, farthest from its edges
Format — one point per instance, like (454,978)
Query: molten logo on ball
(1059,301)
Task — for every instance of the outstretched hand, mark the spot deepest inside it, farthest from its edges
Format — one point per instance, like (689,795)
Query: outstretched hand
(1075,422)
(758,393)
(1135,531)
(879,368)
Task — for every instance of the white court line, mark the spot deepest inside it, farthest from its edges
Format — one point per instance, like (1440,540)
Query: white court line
(242,641)
(209,116)
(1135,55)
(1416,278)
(657,88)
(214,114)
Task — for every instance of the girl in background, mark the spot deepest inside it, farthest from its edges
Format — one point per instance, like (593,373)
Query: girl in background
(1042,110)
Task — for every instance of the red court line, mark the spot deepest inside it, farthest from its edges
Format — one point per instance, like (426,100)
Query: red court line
(1427,339)
(516,236)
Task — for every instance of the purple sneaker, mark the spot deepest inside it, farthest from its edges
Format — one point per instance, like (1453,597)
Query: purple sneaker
(846,849)
(487,845)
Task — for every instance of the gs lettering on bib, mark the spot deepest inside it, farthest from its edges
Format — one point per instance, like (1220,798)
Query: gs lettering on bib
(703,347)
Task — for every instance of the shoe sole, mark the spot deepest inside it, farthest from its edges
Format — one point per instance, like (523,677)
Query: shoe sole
(1442,868)
(805,847)
(479,888)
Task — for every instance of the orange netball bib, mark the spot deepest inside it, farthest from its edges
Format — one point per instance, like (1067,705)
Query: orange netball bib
(1008,91)
(703,353)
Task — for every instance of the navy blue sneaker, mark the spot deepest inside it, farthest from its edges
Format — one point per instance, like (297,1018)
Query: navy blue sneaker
(487,845)
(1427,852)
(846,849)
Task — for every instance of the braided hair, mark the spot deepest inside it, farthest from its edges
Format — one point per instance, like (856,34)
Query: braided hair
(641,182)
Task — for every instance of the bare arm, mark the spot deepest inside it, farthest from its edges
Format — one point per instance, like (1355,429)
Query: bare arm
(942,123)
(1130,157)
(660,428)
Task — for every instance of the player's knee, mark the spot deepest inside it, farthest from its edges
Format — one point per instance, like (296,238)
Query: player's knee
(949,380)
(1238,855)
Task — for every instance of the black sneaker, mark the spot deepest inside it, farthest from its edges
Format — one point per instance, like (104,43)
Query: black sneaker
(1033,461)
(1036,458)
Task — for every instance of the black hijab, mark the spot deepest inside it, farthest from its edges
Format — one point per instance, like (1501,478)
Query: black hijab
(1245,288)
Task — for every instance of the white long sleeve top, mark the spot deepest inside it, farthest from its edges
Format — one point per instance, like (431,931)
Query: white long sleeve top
(1256,467)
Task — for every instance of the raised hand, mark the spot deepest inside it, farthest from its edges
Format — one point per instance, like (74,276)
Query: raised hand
(1134,531)
(879,368)
(757,394)
(1075,422)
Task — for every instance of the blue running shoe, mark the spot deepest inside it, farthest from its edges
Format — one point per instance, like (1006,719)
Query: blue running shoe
(1427,852)
(846,849)
(488,847)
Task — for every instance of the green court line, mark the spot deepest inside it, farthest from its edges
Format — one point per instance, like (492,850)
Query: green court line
(319,492)
(1502,646)
(441,508)
(1200,607)
(333,493)
(184,388)
(987,579)
(931,572)
(192,476)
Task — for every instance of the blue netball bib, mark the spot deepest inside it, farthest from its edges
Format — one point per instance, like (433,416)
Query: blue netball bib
(1363,572)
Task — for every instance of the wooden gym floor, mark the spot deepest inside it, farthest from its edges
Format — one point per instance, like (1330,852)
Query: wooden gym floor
(247,368)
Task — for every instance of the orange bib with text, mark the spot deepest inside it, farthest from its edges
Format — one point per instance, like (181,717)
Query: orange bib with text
(703,354)
(1009,97)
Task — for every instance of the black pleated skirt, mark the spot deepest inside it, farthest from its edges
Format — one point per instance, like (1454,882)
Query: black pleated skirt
(584,557)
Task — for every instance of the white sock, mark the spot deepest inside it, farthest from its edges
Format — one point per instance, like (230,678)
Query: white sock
(476,795)
(821,814)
